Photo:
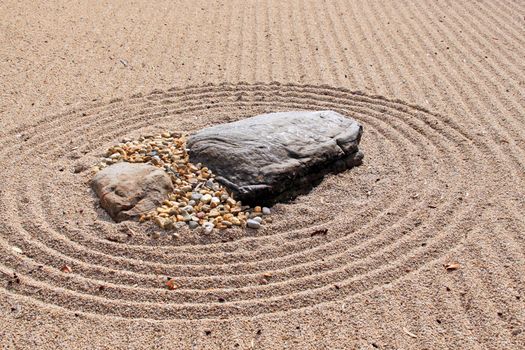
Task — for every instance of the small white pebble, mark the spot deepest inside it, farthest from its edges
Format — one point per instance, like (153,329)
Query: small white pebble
(206,198)
(208,227)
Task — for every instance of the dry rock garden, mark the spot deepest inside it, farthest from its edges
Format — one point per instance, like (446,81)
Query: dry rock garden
(221,176)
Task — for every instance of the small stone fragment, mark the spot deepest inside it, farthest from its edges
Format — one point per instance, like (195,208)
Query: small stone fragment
(206,198)
(214,202)
(193,225)
(451,266)
(180,225)
(66,269)
(196,196)
(171,284)
(186,217)
(78,168)
(253,224)
(188,209)
(266,211)
(208,227)
(186,188)
(236,221)
(258,219)
(163,223)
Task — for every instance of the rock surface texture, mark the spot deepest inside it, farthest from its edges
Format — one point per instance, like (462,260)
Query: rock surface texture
(276,156)
(128,190)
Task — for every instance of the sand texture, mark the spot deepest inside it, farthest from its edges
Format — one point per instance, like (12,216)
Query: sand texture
(358,263)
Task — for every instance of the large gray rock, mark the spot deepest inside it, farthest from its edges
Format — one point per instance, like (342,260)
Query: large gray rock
(276,156)
(127,190)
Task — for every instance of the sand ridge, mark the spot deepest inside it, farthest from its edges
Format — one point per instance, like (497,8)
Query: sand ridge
(437,89)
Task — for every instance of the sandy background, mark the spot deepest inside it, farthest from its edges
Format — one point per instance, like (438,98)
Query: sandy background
(439,87)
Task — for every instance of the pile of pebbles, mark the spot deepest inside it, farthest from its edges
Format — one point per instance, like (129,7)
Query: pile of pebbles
(198,200)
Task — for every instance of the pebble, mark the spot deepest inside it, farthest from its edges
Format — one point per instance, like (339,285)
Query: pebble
(253,224)
(215,201)
(188,209)
(266,211)
(163,223)
(156,160)
(196,196)
(185,216)
(193,225)
(235,221)
(78,168)
(258,219)
(208,227)
(179,225)
(206,198)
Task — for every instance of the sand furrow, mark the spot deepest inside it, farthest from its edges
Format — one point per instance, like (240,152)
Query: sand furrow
(438,87)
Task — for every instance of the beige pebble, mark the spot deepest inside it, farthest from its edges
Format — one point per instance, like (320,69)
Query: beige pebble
(235,221)
(206,198)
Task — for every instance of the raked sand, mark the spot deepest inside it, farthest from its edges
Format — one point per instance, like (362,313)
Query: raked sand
(439,87)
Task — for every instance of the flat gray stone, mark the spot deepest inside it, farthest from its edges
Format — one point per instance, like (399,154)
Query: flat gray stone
(277,156)
(127,190)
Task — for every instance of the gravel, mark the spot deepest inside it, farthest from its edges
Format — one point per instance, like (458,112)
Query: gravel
(198,200)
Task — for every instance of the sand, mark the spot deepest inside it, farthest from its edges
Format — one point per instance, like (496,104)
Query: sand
(439,89)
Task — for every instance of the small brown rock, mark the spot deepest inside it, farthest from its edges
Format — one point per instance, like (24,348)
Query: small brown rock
(66,269)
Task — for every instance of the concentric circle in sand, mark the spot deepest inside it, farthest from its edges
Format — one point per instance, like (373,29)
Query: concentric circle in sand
(381,227)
